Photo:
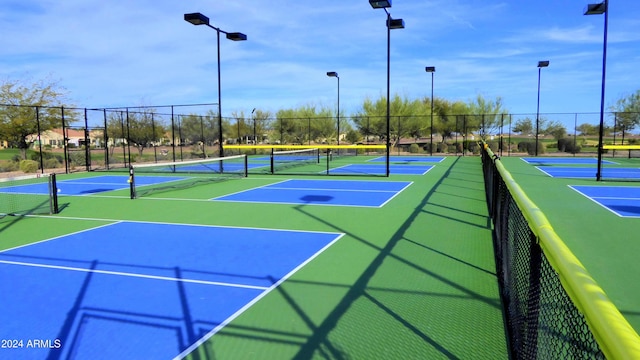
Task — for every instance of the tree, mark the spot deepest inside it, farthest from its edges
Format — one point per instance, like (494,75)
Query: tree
(488,114)
(555,128)
(407,118)
(627,111)
(144,131)
(587,129)
(32,107)
(523,126)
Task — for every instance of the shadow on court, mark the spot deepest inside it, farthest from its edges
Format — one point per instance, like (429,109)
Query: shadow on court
(430,291)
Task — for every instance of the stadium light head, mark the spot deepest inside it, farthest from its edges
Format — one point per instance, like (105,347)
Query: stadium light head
(196,19)
(596,9)
(544,63)
(236,36)
(430,69)
(380,4)
(395,23)
(332,74)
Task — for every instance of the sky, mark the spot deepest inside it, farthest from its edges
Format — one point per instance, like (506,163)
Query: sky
(142,52)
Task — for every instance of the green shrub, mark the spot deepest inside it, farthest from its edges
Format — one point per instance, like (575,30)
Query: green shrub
(414,148)
(51,163)
(567,145)
(9,166)
(28,166)
(530,147)
(77,158)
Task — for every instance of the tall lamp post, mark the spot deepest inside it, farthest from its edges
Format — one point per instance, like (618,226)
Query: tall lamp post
(391,24)
(598,9)
(335,75)
(431,69)
(541,64)
(199,19)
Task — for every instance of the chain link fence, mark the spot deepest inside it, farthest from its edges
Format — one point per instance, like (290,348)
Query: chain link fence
(82,139)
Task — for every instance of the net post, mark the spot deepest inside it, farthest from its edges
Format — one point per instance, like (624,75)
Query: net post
(246,166)
(272,162)
(53,188)
(132,184)
(329,154)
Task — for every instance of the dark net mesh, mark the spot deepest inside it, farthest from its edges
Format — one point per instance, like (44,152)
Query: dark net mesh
(543,322)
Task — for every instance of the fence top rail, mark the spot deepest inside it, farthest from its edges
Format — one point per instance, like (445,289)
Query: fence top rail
(614,334)
(312,146)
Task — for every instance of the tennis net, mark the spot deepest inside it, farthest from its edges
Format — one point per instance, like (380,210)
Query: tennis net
(29,194)
(145,179)
(314,159)
(285,159)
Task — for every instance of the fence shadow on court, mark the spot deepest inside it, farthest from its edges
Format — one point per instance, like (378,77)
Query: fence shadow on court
(401,275)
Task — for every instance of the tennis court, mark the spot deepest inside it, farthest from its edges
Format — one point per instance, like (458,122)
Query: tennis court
(564,161)
(397,266)
(322,192)
(91,185)
(409,159)
(121,283)
(590,172)
(623,201)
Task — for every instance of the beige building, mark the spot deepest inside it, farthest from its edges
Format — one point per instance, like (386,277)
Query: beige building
(75,138)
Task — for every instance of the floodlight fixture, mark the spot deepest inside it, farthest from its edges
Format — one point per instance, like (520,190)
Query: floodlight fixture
(380,4)
(541,64)
(236,36)
(395,23)
(196,19)
(335,75)
(599,9)
(200,19)
(432,70)
(596,9)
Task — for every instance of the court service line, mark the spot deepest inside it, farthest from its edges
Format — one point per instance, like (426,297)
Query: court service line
(115,221)
(135,275)
(331,189)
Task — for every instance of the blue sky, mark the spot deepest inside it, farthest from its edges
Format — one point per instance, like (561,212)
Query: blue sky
(120,53)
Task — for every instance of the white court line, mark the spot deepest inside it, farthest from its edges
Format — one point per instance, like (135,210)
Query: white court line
(154,277)
(215,330)
(332,189)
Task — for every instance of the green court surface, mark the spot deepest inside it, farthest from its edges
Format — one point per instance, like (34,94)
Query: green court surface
(414,279)
(604,242)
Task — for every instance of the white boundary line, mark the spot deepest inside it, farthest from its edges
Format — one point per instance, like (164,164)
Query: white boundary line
(135,275)
(596,202)
(215,330)
(170,223)
(593,199)
(316,204)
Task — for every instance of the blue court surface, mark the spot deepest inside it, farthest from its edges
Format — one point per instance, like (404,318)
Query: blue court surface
(564,161)
(408,159)
(134,290)
(322,192)
(621,200)
(590,172)
(91,185)
(380,169)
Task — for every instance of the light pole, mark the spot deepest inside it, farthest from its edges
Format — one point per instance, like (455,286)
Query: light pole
(391,24)
(431,69)
(199,19)
(541,64)
(335,75)
(598,9)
